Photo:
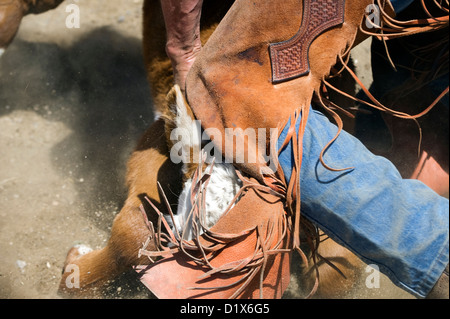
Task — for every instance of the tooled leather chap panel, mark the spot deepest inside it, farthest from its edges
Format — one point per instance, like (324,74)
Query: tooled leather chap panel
(290,58)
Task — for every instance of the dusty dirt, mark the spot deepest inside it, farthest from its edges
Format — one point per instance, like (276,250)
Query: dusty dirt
(73,102)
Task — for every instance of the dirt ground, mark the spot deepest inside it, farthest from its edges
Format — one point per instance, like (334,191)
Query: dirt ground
(73,102)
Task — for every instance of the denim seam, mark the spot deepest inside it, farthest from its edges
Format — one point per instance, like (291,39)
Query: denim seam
(436,269)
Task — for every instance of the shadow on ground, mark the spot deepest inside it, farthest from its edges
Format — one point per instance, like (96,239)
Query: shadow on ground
(97,87)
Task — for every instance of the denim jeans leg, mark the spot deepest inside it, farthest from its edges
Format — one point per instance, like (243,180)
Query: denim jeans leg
(400,225)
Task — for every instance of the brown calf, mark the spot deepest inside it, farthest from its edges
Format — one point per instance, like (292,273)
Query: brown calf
(150,164)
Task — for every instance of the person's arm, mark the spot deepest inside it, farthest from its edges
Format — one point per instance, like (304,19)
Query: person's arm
(182,19)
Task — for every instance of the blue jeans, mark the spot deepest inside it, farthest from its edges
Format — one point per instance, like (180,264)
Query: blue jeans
(400,225)
(400,5)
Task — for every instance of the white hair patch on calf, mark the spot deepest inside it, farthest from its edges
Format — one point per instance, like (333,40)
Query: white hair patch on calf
(221,190)
(223,184)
